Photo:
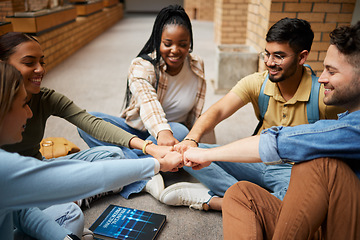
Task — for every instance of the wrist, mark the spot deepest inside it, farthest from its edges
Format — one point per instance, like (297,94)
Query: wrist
(157,166)
(146,143)
(192,140)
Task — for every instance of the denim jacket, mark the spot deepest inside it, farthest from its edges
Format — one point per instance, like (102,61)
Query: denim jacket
(325,138)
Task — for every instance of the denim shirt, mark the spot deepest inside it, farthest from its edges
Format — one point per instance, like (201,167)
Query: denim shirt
(325,138)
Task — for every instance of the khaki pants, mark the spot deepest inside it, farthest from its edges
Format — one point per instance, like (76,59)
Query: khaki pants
(322,202)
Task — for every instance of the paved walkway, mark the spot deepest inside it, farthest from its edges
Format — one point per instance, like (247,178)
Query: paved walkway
(95,79)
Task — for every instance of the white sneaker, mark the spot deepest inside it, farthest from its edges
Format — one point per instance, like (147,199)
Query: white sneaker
(155,186)
(87,234)
(194,195)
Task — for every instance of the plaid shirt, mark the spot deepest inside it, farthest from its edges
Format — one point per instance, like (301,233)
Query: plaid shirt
(145,110)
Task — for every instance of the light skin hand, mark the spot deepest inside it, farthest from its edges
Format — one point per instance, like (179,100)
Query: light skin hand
(183,146)
(166,138)
(196,158)
(245,150)
(158,152)
(171,162)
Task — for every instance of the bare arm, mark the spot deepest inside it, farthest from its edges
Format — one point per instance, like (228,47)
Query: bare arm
(169,160)
(244,150)
(221,110)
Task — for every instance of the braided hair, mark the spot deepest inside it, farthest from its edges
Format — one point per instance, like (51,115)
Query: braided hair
(170,15)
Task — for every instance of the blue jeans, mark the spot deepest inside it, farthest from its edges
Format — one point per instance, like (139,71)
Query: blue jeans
(54,222)
(69,215)
(179,132)
(219,176)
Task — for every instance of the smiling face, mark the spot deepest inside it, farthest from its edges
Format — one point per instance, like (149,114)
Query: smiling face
(28,58)
(342,85)
(174,47)
(15,120)
(289,66)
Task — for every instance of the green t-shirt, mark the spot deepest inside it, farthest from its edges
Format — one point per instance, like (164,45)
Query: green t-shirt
(47,103)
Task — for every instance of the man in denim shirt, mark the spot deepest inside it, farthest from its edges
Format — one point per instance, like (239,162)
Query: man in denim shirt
(323,199)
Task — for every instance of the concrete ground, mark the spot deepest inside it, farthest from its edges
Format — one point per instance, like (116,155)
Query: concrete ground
(95,79)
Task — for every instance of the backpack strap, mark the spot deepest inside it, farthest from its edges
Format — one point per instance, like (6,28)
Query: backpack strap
(263,101)
(312,106)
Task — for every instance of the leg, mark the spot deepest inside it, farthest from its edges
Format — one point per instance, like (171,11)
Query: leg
(219,176)
(69,216)
(95,154)
(276,179)
(36,223)
(100,153)
(214,177)
(179,130)
(322,193)
(249,212)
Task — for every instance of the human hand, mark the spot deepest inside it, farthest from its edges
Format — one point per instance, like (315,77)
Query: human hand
(166,138)
(158,152)
(184,145)
(171,162)
(196,158)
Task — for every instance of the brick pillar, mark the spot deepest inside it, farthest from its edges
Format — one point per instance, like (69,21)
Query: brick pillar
(8,7)
(200,9)
(231,21)
(18,5)
(241,22)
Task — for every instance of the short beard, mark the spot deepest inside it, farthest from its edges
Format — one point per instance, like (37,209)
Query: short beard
(282,78)
(285,75)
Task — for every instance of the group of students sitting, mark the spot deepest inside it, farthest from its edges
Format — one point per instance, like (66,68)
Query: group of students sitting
(248,180)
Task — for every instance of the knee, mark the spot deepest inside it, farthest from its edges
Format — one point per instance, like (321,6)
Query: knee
(237,193)
(109,151)
(75,220)
(75,211)
(179,129)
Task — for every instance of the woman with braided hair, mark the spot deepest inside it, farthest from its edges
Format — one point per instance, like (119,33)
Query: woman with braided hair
(165,91)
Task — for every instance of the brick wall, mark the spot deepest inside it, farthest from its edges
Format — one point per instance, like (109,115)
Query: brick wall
(241,21)
(64,41)
(35,5)
(323,15)
(258,23)
(231,19)
(247,21)
(5,10)
(200,9)
(8,7)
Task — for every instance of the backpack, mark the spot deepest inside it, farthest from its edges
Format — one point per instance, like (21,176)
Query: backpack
(312,106)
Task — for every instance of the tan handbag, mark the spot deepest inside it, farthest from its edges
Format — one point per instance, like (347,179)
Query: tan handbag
(53,147)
